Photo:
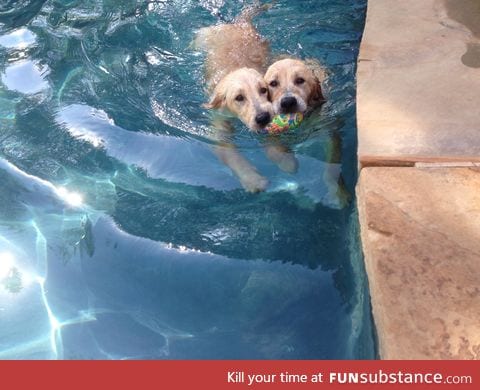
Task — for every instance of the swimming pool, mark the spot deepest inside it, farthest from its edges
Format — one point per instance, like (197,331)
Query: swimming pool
(121,234)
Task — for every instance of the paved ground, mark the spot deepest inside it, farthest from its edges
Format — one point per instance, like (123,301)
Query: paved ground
(419,82)
(418,105)
(421,240)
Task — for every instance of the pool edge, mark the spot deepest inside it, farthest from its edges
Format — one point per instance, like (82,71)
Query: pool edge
(424,299)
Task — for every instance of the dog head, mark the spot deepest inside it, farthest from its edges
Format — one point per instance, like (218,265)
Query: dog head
(244,93)
(293,86)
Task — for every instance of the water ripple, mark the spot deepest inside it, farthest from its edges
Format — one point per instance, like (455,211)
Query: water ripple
(117,218)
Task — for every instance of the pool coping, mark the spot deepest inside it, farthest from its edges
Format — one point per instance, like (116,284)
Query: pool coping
(416,126)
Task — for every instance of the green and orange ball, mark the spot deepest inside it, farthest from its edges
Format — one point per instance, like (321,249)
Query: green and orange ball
(283,122)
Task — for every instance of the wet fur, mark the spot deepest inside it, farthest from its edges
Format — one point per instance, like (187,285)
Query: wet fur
(235,62)
(309,96)
(285,72)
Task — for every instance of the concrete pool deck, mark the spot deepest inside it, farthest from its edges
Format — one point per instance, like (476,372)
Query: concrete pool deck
(418,112)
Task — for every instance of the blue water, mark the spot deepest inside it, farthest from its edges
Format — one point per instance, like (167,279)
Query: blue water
(121,234)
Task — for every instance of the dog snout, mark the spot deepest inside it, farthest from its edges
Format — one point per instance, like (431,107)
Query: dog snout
(288,103)
(262,119)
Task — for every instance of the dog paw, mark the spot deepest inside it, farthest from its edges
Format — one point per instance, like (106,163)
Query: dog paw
(282,157)
(288,163)
(254,183)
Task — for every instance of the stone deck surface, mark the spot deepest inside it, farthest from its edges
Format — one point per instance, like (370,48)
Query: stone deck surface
(418,108)
(421,241)
(418,82)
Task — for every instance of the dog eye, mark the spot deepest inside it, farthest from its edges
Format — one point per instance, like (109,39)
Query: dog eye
(299,80)
(239,98)
(263,90)
(274,83)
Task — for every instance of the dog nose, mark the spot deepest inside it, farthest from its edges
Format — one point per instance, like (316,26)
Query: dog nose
(263,118)
(288,102)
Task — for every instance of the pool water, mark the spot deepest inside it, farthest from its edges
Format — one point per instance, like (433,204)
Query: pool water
(121,234)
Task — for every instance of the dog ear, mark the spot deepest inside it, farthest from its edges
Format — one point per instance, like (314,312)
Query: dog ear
(319,76)
(317,69)
(216,101)
(316,96)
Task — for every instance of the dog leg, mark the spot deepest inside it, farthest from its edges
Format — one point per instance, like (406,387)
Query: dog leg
(226,151)
(333,180)
(251,180)
(281,155)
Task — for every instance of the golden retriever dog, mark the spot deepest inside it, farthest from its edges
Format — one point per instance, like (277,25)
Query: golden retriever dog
(236,58)
(296,86)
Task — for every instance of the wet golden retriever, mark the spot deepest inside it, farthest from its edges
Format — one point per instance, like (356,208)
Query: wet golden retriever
(295,85)
(236,58)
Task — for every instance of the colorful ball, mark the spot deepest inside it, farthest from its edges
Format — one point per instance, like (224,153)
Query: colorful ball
(283,122)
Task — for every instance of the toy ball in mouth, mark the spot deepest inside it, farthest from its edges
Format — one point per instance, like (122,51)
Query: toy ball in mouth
(283,122)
